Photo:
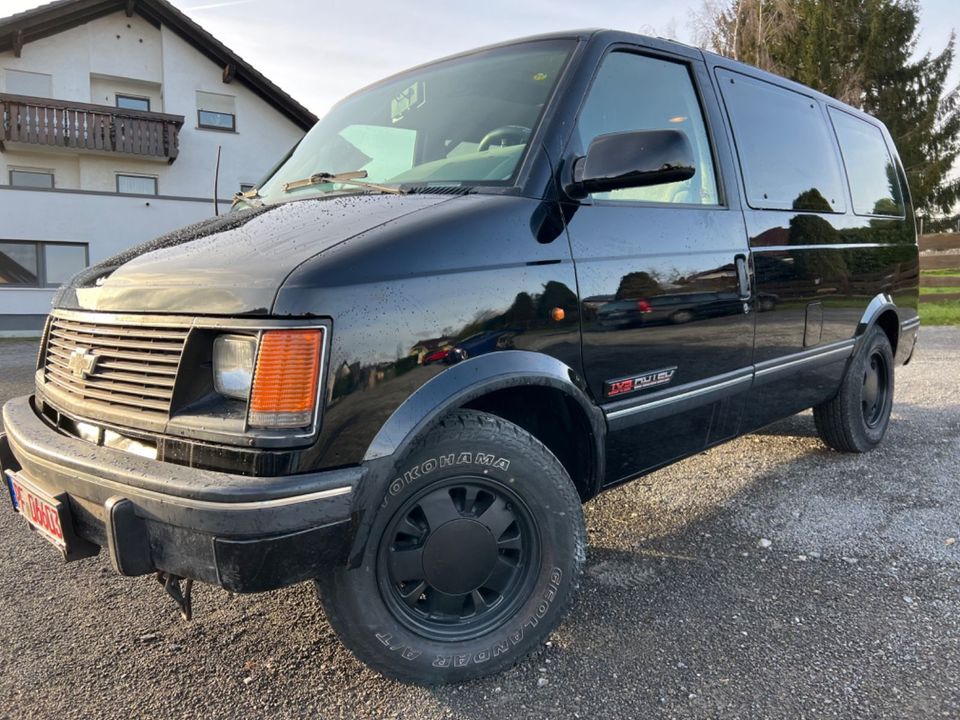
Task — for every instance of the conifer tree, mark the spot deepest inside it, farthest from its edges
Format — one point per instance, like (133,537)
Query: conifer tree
(860,52)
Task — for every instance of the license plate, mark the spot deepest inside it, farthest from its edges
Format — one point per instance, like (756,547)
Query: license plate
(46,515)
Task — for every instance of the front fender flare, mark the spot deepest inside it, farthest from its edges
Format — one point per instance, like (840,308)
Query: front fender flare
(451,389)
(469,380)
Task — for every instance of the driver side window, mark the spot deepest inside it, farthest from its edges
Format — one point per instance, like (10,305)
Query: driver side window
(636,92)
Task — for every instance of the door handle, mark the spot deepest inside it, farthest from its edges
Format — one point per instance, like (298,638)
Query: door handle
(743,277)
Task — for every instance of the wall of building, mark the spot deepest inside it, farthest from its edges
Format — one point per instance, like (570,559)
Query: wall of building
(82,61)
(104,90)
(71,56)
(65,168)
(262,136)
(107,222)
(90,64)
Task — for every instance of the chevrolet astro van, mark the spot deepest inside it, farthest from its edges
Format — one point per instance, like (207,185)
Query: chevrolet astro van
(474,296)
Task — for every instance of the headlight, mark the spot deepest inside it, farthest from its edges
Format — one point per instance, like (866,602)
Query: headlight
(233,362)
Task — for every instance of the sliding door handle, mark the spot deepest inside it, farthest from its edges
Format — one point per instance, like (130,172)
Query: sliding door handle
(743,277)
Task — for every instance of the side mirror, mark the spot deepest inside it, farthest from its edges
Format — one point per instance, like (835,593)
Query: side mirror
(633,159)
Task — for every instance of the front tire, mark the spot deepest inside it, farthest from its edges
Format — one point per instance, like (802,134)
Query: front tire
(473,556)
(857,417)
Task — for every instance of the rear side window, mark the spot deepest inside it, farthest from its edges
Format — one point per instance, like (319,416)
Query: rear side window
(786,152)
(873,179)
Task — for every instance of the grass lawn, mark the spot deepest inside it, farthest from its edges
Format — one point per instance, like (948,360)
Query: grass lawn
(947,272)
(940,313)
(940,290)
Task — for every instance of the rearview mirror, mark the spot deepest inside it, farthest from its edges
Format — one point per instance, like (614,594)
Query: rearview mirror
(634,159)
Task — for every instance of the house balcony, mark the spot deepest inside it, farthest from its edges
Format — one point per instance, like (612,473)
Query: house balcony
(43,124)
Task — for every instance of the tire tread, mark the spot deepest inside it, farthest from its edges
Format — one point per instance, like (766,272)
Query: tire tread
(468,425)
(839,419)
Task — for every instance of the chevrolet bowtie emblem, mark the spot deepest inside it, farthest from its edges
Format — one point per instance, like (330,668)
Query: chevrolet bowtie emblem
(82,363)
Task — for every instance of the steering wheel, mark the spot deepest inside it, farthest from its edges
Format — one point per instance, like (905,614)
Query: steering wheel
(497,136)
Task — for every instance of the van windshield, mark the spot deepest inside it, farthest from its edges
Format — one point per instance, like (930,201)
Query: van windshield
(465,121)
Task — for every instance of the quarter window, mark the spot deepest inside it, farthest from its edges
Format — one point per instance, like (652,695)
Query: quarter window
(873,179)
(786,152)
(636,92)
(26,263)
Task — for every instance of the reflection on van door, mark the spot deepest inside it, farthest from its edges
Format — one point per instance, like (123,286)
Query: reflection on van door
(663,273)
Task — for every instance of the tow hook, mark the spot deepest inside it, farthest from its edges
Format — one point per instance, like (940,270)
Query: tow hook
(181,596)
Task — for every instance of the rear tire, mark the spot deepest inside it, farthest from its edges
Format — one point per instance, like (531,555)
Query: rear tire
(857,417)
(473,556)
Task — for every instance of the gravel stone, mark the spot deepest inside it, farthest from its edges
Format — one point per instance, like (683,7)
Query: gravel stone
(675,618)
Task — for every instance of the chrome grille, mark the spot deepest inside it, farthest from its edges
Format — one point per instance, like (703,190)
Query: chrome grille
(130,367)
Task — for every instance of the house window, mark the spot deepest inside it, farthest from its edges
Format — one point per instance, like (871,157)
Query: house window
(216,120)
(32,178)
(20,82)
(216,112)
(136,184)
(25,263)
(61,262)
(19,264)
(133,102)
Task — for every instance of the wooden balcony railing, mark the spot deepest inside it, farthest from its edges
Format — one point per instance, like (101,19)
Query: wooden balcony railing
(59,123)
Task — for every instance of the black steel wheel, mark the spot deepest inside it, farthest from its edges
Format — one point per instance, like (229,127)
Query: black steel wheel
(857,417)
(472,558)
(873,395)
(457,558)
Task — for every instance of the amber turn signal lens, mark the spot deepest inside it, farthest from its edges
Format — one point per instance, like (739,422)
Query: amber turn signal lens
(285,380)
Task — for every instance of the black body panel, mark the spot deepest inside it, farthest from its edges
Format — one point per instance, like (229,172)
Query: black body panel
(819,274)
(231,265)
(476,265)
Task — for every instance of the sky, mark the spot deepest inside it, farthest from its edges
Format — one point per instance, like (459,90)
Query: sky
(321,51)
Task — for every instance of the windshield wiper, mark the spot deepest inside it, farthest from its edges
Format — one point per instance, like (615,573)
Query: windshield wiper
(346,178)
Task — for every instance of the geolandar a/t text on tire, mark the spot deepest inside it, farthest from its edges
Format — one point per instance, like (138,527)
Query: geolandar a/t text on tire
(474,296)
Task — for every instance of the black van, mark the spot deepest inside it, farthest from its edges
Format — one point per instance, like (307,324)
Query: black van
(474,296)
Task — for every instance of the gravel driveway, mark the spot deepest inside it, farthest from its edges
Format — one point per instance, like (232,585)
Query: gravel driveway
(766,578)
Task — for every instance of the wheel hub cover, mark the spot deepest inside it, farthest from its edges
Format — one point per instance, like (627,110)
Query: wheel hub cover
(459,556)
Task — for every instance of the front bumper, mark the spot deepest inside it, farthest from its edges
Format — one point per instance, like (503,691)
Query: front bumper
(246,534)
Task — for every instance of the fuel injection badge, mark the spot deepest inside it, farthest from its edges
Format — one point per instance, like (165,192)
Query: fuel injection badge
(625,386)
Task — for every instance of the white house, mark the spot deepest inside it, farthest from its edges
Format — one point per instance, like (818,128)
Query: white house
(113,112)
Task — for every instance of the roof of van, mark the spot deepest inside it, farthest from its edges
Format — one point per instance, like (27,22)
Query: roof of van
(608,36)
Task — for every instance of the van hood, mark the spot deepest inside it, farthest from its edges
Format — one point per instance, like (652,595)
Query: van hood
(234,264)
